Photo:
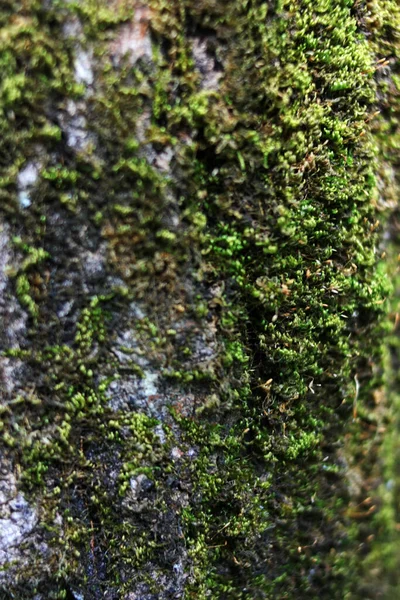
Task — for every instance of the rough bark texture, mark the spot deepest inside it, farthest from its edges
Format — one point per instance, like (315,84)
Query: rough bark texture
(193,298)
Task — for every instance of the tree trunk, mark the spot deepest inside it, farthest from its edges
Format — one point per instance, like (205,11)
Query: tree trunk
(193,297)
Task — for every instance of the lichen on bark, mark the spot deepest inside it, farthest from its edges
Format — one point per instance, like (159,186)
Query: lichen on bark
(193,294)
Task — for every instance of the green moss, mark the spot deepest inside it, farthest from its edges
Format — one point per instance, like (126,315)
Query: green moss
(265,232)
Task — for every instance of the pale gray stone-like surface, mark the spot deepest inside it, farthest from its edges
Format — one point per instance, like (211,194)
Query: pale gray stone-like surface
(26,180)
(18,519)
(134,38)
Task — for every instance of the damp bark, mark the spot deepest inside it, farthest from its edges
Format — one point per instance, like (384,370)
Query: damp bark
(197,207)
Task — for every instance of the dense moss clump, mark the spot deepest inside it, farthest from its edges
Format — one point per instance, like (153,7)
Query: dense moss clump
(194,296)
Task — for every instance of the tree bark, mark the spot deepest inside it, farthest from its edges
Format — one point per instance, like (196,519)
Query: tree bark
(194,274)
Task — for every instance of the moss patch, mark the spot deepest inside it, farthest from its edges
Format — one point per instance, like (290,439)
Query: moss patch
(203,246)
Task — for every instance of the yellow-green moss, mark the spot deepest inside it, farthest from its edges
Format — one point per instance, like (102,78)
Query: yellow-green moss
(280,176)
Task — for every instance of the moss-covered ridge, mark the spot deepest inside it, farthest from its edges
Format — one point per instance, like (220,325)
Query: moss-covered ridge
(206,214)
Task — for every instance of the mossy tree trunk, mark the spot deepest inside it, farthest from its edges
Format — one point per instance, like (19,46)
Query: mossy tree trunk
(193,295)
